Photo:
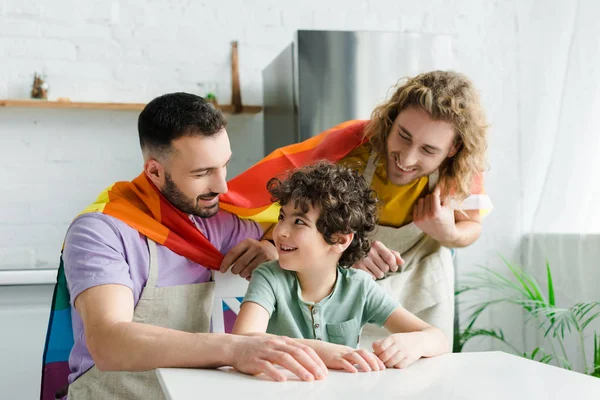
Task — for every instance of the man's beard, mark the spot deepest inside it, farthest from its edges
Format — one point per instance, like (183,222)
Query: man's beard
(186,204)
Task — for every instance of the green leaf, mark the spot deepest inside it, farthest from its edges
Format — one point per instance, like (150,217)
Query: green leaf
(496,281)
(581,309)
(550,285)
(590,319)
(550,326)
(534,353)
(547,358)
(475,315)
(586,307)
(596,358)
(490,333)
(533,285)
(462,290)
(517,275)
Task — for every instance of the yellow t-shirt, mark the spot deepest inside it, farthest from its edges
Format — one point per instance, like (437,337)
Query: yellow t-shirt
(396,201)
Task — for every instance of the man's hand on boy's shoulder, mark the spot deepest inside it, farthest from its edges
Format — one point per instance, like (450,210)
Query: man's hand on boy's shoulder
(380,261)
(247,255)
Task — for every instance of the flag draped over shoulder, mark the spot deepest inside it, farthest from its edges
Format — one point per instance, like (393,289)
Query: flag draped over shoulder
(140,205)
(247,195)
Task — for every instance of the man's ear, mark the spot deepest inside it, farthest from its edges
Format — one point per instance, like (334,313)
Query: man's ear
(155,172)
(342,241)
(456,146)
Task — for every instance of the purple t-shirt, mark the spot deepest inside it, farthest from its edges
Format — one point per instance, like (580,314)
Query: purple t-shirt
(100,250)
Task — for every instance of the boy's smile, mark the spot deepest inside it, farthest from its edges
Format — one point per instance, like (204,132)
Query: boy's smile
(285,248)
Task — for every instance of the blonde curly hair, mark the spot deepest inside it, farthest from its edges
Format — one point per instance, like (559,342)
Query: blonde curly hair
(446,96)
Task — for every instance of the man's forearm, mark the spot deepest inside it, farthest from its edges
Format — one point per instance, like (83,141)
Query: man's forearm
(317,345)
(131,346)
(467,232)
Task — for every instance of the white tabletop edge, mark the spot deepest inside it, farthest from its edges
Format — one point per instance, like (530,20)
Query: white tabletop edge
(163,384)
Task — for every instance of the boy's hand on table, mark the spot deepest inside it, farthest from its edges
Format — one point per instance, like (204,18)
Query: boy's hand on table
(339,357)
(399,350)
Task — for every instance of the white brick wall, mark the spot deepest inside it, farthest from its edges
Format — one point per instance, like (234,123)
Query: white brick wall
(53,162)
(173,45)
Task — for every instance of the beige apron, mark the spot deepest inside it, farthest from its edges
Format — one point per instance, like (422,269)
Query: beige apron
(424,285)
(184,308)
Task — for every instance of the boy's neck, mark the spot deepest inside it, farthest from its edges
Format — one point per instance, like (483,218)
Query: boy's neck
(317,286)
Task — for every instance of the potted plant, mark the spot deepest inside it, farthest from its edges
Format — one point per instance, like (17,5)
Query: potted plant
(556,325)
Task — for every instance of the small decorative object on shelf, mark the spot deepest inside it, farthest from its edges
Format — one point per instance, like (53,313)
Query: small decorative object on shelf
(211,98)
(236,93)
(39,89)
(208,90)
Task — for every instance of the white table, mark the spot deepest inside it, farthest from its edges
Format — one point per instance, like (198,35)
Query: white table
(464,376)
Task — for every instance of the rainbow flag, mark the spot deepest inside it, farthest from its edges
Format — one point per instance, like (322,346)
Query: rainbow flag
(140,205)
(247,196)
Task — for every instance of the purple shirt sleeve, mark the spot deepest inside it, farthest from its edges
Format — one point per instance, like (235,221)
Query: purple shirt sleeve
(93,255)
(225,230)
(240,229)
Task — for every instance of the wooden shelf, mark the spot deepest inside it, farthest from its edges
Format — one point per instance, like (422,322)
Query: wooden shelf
(226,108)
(70,104)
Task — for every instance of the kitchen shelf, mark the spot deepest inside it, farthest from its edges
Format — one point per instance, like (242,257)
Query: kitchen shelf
(226,108)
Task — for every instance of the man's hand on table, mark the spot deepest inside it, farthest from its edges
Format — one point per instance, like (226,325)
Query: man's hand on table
(262,354)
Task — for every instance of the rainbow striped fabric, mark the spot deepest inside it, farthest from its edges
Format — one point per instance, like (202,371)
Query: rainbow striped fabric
(247,195)
(140,205)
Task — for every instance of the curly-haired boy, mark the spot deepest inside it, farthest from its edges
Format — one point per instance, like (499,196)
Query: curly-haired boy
(327,213)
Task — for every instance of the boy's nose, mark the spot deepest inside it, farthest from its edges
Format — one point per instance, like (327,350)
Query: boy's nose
(281,231)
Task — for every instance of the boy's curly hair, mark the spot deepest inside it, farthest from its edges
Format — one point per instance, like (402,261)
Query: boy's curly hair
(343,197)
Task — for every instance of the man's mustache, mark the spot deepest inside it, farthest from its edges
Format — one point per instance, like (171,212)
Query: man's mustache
(208,196)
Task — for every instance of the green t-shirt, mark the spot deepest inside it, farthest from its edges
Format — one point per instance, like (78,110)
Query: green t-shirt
(356,300)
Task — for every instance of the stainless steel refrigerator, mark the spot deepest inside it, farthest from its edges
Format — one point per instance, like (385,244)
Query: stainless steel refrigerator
(323,78)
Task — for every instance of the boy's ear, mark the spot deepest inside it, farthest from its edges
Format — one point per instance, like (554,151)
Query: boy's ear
(342,241)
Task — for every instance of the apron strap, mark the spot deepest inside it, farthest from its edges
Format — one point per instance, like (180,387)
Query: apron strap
(370,168)
(153,272)
(370,172)
(434,177)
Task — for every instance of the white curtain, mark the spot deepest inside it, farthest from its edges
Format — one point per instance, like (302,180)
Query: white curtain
(559,106)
